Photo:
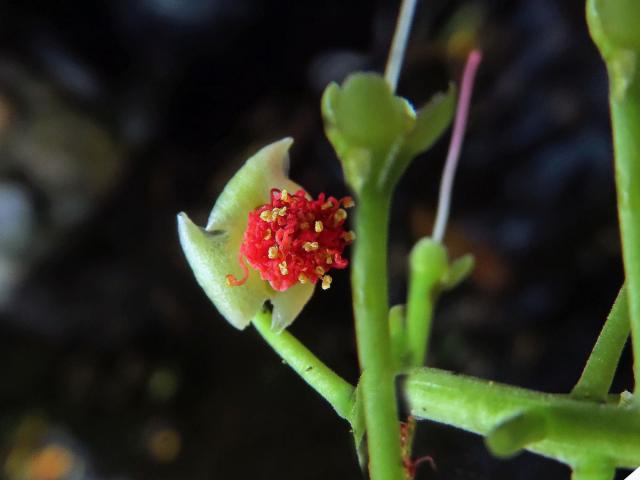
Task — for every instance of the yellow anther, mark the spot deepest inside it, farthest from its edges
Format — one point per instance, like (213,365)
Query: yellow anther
(348,203)
(283,268)
(320,270)
(278,212)
(273,252)
(266,216)
(318,227)
(302,278)
(310,246)
(229,281)
(340,214)
(327,204)
(329,260)
(326,282)
(304,226)
(267,236)
(349,236)
(284,195)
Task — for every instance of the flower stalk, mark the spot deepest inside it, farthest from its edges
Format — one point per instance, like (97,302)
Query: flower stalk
(333,388)
(371,307)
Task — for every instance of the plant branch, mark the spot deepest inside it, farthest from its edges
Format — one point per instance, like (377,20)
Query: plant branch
(625,115)
(333,388)
(621,55)
(577,432)
(371,307)
(601,366)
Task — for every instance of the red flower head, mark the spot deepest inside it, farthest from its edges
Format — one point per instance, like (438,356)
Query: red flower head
(295,239)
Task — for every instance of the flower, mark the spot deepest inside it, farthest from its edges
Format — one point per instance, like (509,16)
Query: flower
(290,240)
(295,239)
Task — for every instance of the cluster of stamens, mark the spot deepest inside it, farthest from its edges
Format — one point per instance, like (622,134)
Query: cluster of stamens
(295,239)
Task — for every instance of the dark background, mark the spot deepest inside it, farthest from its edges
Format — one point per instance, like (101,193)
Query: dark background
(115,115)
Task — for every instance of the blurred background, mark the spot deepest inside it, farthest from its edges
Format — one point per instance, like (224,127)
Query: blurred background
(115,115)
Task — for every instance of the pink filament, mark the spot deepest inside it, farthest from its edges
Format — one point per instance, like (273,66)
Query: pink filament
(457,137)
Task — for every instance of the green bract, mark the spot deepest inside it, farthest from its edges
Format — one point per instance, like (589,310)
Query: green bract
(212,252)
(375,133)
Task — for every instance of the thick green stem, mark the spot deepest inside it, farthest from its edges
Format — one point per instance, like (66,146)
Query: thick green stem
(625,114)
(335,390)
(613,27)
(371,307)
(577,432)
(598,373)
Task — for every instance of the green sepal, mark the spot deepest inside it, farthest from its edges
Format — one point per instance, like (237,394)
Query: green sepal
(375,133)
(431,122)
(213,251)
(458,271)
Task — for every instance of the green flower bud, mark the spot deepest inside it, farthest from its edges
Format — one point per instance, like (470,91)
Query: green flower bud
(375,133)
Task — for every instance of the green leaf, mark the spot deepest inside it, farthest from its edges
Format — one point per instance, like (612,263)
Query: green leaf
(458,271)
(433,119)
(212,252)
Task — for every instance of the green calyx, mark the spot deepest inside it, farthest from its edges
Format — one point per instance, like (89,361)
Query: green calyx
(375,133)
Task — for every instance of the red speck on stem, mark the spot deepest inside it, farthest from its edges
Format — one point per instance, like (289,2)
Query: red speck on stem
(295,239)
(407,430)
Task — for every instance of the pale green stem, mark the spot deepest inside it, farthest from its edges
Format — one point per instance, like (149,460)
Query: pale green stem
(335,390)
(602,364)
(576,432)
(419,314)
(399,43)
(371,307)
(420,302)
